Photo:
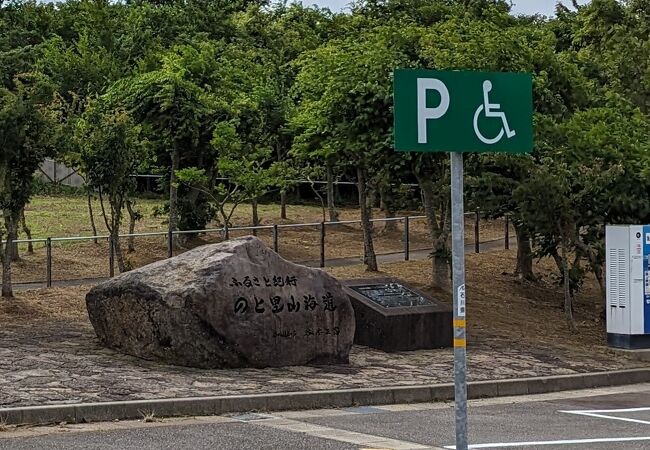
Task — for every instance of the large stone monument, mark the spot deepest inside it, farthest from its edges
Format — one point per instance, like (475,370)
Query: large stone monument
(227,305)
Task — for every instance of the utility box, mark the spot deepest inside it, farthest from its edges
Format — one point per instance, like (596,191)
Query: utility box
(628,286)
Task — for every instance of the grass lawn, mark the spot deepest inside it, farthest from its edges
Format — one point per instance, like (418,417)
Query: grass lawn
(64,216)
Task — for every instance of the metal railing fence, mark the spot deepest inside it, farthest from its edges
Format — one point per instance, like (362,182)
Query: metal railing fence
(275,240)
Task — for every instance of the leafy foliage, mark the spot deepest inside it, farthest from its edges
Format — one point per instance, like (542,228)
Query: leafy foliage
(26,123)
(263,93)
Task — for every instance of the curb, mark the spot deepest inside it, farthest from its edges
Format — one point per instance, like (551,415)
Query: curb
(202,406)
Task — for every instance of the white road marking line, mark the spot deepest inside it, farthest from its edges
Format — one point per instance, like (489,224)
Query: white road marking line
(335,434)
(624,410)
(603,416)
(562,442)
(313,413)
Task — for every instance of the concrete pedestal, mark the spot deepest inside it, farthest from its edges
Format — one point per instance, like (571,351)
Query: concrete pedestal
(393,329)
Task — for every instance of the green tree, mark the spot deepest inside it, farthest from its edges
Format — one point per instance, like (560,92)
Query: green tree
(175,111)
(112,149)
(594,173)
(282,34)
(26,123)
(345,101)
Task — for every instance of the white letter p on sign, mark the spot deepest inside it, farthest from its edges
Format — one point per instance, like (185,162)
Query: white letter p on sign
(424,113)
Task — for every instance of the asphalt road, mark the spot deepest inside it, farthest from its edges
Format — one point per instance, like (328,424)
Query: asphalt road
(611,418)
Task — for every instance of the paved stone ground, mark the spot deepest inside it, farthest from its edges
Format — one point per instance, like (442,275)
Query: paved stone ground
(63,363)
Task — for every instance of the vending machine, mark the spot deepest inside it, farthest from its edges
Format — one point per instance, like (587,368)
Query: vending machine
(628,285)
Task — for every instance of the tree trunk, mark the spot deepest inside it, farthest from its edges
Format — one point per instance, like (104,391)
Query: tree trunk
(116,220)
(373,198)
(596,266)
(226,222)
(331,208)
(283,193)
(92,216)
(568,295)
(113,226)
(338,198)
(320,198)
(119,256)
(440,255)
(133,217)
(173,193)
(15,253)
(256,218)
(7,286)
(601,306)
(7,290)
(226,231)
(388,204)
(2,260)
(27,231)
(524,269)
(558,263)
(369,257)
(283,205)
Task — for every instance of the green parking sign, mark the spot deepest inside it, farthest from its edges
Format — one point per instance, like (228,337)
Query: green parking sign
(454,111)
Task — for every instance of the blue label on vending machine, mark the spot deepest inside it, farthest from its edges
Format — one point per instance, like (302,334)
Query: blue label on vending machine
(646,279)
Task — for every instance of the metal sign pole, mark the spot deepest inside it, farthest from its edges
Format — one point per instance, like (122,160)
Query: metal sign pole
(458,261)
(454,121)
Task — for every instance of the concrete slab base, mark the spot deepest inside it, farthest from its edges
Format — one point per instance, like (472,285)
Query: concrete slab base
(642,354)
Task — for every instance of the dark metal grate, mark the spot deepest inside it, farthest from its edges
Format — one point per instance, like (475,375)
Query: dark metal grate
(391,295)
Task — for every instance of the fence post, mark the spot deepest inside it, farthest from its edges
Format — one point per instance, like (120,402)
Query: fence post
(276,243)
(170,243)
(407,249)
(477,243)
(507,240)
(48,264)
(322,244)
(111,257)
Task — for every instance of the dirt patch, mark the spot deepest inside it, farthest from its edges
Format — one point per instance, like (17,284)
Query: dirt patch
(501,308)
(502,311)
(74,260)
(40,306)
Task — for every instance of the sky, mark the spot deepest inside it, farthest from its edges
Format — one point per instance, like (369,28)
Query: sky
(545,7)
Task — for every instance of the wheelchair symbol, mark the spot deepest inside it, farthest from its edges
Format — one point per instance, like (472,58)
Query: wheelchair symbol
(491,110)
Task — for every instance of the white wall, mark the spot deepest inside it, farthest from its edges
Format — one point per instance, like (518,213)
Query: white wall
(55,172)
